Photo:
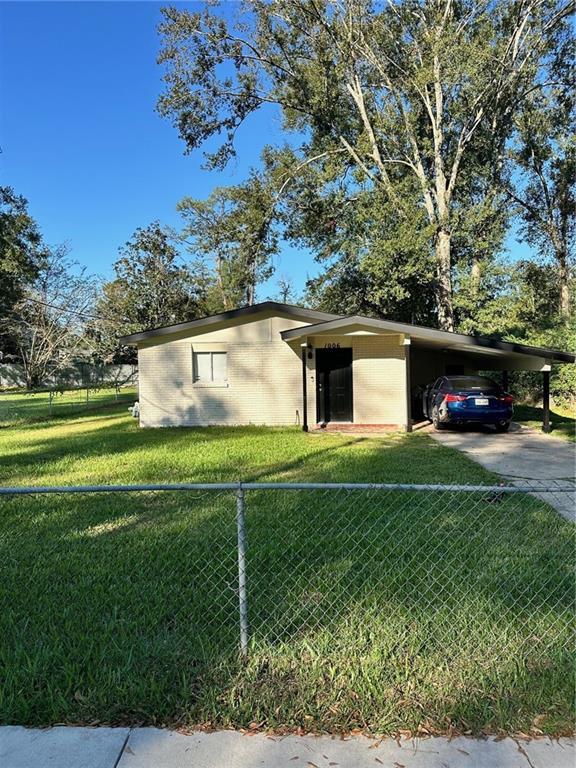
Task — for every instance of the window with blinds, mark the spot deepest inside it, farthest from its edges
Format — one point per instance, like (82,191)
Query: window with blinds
(210,367)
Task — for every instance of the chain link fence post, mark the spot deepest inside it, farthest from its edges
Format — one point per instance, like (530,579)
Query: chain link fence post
(242,594)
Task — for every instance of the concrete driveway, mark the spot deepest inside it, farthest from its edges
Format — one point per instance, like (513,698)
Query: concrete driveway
(521,455)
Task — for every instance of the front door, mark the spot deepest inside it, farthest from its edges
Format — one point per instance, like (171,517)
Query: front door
(334,384)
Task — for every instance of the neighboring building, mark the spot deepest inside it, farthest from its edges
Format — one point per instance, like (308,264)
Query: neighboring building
(278,364)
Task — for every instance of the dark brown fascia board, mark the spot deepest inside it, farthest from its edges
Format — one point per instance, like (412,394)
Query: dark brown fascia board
(266,306)
(429,333)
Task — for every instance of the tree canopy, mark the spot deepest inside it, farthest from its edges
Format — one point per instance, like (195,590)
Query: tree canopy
(233,236)
(47,324)
(152,287)
(22,255)
(544,158)
(417,135)
(424,91)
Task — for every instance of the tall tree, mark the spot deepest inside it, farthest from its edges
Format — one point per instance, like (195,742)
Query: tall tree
(152,287)
(22,254)
(49,319)
(233,233)
(405,88)
(286,293)
(544,158)
(515,302)
(373,261)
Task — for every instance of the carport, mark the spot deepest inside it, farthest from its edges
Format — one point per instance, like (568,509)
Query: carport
(439,353)
(424,354)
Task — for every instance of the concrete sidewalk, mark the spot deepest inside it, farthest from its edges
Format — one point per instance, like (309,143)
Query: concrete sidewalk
(63,747)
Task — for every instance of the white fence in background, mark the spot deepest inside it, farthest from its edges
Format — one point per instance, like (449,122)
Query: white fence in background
(79,375)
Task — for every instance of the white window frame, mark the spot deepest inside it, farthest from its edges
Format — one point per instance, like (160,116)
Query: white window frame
(211,382)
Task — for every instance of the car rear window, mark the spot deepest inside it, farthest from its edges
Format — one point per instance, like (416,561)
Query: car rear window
(472,382)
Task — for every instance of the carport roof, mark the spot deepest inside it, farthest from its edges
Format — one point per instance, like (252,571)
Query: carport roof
(427,336)
(328,322)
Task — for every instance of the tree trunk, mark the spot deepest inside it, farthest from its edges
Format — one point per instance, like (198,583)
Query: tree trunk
(27,371)
(476,275)
(220,282)
(444,280)
(32,379)
(251,280)
(564,275)
(250,288)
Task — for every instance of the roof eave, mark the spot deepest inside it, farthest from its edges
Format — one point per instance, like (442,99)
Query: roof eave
(266,306)
(430,333)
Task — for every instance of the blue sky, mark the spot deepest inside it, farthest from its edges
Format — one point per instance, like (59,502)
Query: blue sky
(80,137)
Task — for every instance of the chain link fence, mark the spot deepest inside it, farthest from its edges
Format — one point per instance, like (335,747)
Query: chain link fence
(26,406)
(152,603)
(486,571)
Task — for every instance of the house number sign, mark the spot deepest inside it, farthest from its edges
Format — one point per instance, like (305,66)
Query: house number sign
(332,345)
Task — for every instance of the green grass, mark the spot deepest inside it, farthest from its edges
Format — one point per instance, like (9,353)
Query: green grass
(373,610)
(25,407)
(562,420)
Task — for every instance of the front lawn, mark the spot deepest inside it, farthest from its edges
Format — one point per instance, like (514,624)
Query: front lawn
(376,610)
(21,407)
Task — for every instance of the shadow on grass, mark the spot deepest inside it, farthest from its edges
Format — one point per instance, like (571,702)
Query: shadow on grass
(28,413)
(562,424)
(367,609)
(106,436)
(112,448)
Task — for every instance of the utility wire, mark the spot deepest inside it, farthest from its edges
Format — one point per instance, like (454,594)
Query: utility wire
(62,309)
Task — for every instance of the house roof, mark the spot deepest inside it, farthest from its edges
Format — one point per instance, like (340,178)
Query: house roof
(419,333)
(328,322)
(287,310)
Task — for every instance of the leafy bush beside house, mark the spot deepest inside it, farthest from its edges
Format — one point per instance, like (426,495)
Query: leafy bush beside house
(527,385)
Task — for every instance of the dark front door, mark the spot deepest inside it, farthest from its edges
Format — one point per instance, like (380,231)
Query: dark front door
(334,384)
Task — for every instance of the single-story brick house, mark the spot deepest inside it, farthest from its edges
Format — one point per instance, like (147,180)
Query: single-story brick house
(278,364)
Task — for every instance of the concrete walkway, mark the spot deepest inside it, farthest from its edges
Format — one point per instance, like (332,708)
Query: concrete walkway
(521,455)
(63,747)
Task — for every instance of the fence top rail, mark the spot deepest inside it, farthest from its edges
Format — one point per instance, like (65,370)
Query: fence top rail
(61,388)
(525,487)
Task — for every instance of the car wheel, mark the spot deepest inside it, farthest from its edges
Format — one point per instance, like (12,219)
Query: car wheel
(502,426)
(436,423)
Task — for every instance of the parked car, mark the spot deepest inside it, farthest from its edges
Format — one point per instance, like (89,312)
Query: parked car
(467,400)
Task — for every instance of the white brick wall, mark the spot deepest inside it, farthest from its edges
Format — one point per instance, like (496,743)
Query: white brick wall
(264,378)
(378,378)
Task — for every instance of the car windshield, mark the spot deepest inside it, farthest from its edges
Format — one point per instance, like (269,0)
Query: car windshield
(472,382)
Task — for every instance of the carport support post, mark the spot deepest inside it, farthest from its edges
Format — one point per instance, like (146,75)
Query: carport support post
(408,385)
(304,389)
(242,594)
(546,401)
